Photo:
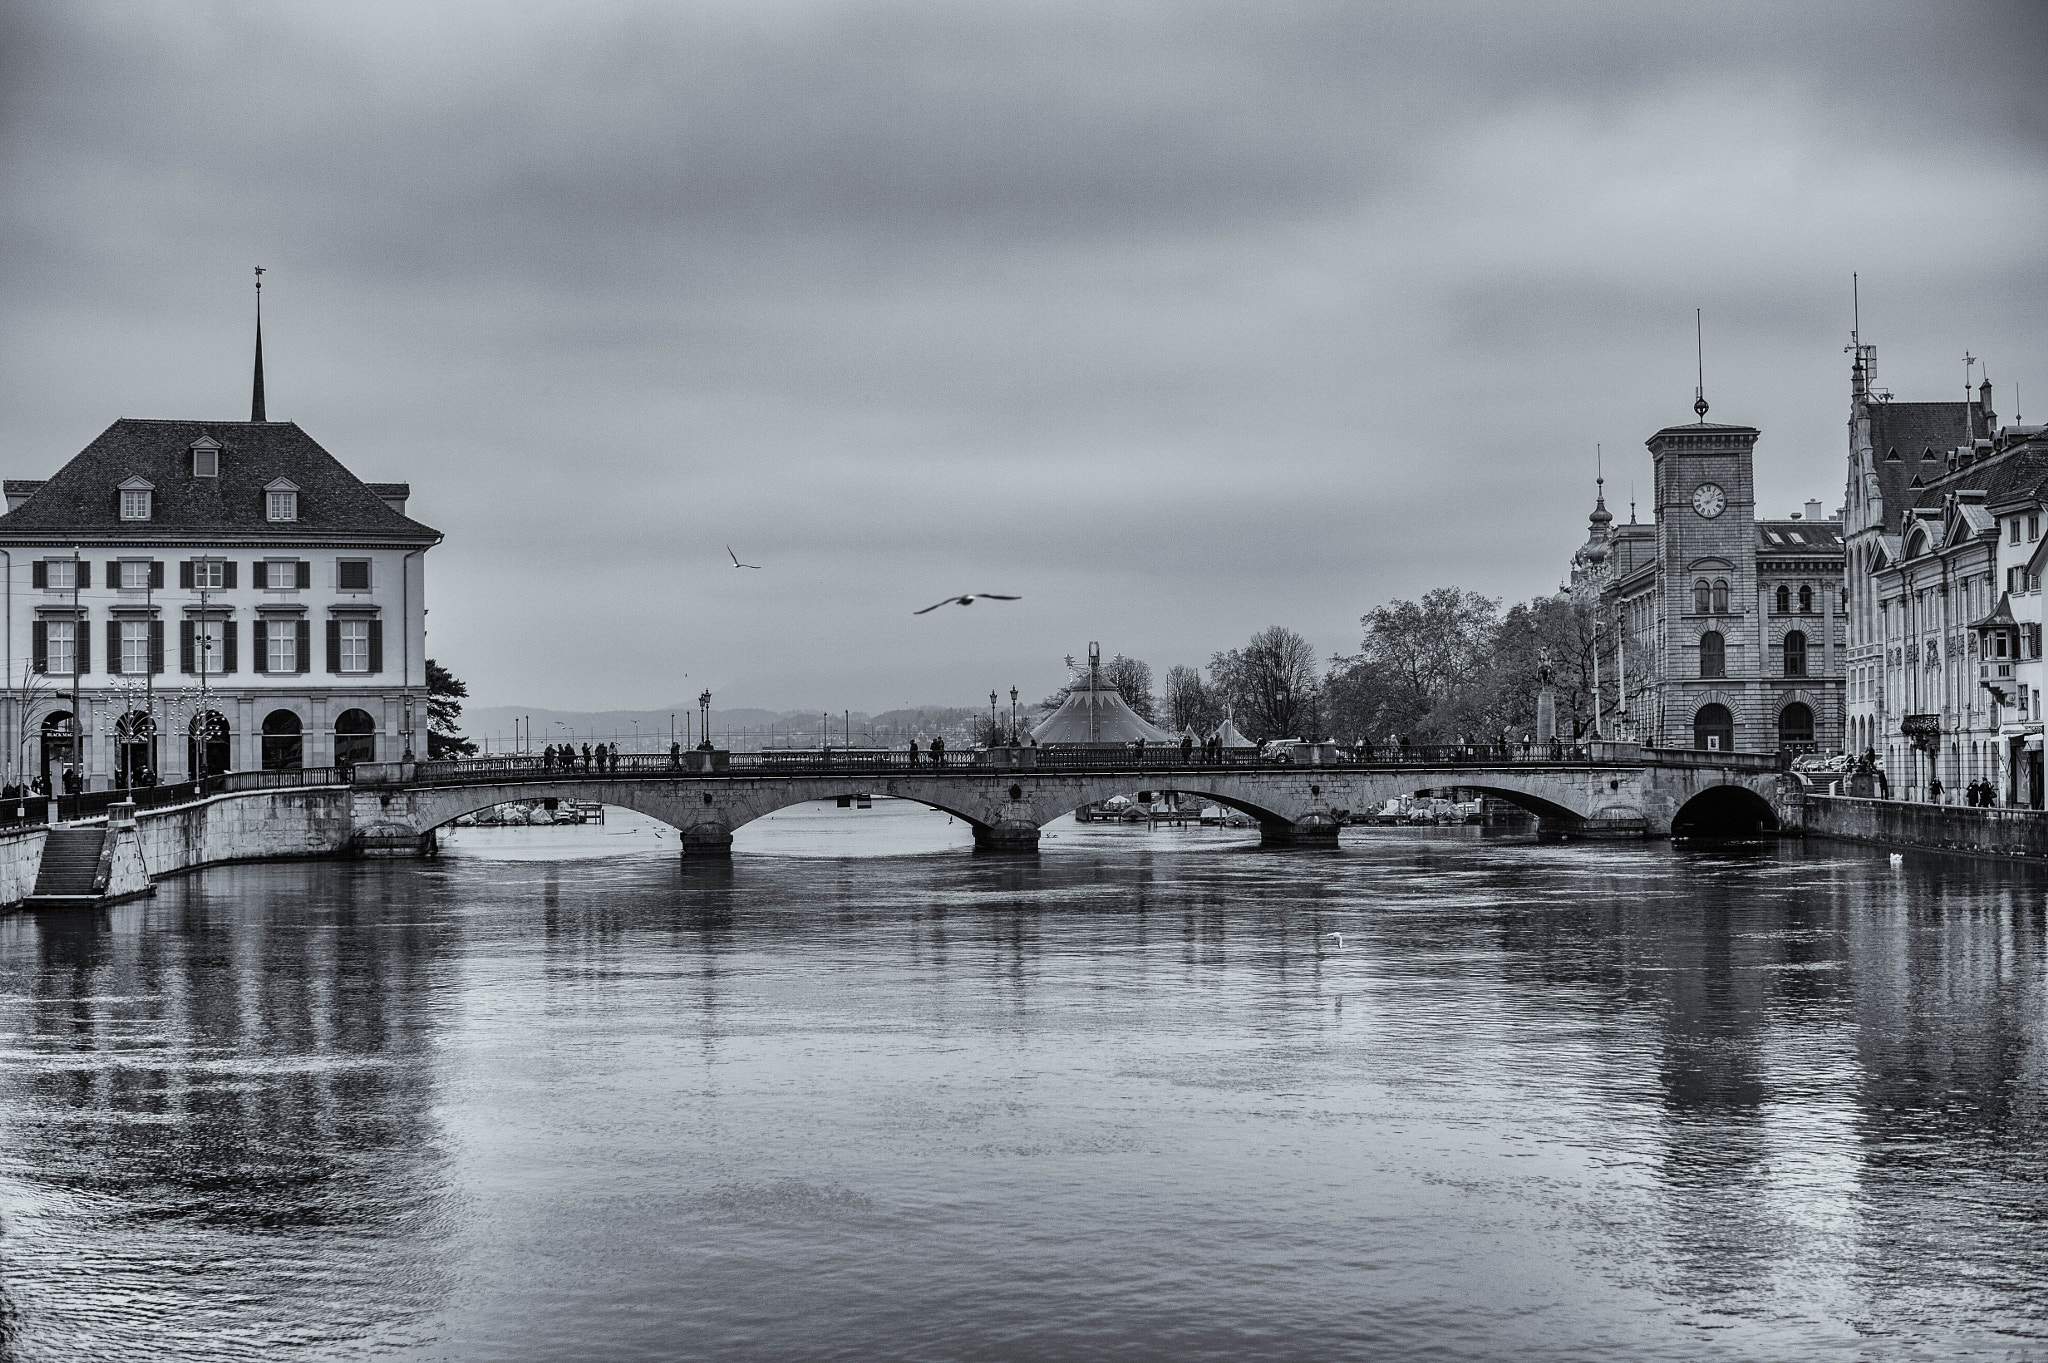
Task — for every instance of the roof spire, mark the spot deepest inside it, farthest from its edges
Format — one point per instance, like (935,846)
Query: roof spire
(256,393)
(1699,394)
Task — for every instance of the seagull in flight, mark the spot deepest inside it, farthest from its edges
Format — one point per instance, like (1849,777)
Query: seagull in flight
(736,559)
(966,600)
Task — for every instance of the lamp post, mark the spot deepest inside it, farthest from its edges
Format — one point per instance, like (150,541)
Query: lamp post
(1015,733)
(704,710)
(995,726)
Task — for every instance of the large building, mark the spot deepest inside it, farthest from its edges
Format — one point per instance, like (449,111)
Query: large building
(1945,517)
(208,596)
(1716,629)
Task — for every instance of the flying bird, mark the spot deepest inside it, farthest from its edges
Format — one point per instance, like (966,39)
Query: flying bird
(736,559)
(966,600)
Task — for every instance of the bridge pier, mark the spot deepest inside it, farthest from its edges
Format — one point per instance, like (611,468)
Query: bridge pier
(1005,838)
(1318,829)
(707,840)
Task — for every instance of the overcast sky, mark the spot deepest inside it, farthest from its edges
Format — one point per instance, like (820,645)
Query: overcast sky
(1178,319)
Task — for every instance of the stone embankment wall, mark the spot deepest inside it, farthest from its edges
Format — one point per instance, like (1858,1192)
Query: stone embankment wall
(257,825)
(21,859)
(1949,828)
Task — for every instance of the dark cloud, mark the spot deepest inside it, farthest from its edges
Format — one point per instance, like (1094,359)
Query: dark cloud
(1183,318)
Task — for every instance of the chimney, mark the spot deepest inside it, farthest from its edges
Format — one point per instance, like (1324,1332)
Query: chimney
(1813,511)
(1984,405)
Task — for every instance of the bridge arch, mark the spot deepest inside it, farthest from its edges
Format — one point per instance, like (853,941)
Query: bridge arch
(1724,811)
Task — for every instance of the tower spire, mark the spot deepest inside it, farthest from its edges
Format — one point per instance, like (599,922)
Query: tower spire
(1699,393)
(256,392)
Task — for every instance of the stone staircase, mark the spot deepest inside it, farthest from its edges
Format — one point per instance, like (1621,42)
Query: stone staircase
(70,872)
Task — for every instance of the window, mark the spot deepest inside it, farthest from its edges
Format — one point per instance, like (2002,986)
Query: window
(1806,600)
(209,574)
(135,650)
(1784,600)
(1999,638)
(1702,597)
(355,645)
(1713,727)
(1720,596)
(1795,725)
(2014,528)
(352,574)
(139,574)
(283,742)
(2033,528)
(1795,653)
(61,653)
(60,574)
(281,506)
(281,646)
(1713,655)
(205,460)
(209,646)
(135,504)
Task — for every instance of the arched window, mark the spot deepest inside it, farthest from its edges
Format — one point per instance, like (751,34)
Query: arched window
(355,738)
(1713,728)
(1720,596)
(206,749)
(1795,653)
(1806,600)
(1795,725)
(1702,597)
(284,749)
(1713,654)
(1784,600)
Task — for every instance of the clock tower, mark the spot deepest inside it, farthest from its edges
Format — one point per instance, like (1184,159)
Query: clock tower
(1713,649)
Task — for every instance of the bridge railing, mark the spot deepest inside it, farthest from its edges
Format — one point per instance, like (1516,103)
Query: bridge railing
(877,761)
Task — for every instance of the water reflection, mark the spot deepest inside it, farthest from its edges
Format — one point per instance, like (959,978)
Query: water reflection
(1147,1095)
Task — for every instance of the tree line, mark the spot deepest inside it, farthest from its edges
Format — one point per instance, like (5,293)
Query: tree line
(1448,668)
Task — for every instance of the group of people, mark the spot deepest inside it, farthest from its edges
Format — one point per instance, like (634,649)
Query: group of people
(1978,794)
(601,759)
(938,750)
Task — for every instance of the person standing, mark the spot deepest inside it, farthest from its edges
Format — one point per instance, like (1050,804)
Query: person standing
(586,757)
(913,752)
(1187,749)
(675,755)
(938,750)
(1934,789)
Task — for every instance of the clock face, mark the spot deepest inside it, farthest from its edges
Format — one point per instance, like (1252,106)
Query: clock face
(1709,500)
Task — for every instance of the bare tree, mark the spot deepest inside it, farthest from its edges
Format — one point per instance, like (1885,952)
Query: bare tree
(1271,684)
(27,698)
(1190,702)
(1430,660)
(1133,681)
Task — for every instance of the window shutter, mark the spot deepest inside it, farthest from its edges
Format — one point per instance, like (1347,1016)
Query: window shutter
(185,579)
(334,645)
(114,647)
(84,566)
(113,572)
(156,646)
(156,572)
(39,574)
(259,639)
(376,645)
(259,574)
(84,637)
(185,642)
(303,654)
(305,575)
(227,643)
(227,571)
(40,634)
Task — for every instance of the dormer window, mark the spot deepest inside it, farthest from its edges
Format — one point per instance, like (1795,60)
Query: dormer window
(136,497)
(206,457)
(281,500)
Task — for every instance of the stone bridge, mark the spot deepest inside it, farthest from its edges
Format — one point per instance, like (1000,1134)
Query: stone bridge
(1007,796)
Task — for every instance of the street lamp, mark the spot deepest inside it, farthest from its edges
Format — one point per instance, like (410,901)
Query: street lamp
(704,709)
(995,726)
(1015,733)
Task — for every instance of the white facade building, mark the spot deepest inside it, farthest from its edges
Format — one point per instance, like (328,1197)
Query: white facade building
(209,594)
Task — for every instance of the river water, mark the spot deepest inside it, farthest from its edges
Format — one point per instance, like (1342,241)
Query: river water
(1150,1095)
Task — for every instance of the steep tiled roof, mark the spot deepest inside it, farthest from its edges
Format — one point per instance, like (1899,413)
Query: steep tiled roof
(82,497)
(1911,429)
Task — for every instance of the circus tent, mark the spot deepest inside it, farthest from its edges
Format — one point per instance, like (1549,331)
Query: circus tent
(1095,714)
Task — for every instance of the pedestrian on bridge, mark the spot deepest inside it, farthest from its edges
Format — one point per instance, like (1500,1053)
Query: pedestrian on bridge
(675,755)
(938,750)
(1187,748)
(547,758)
(586,757)
(913,752)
